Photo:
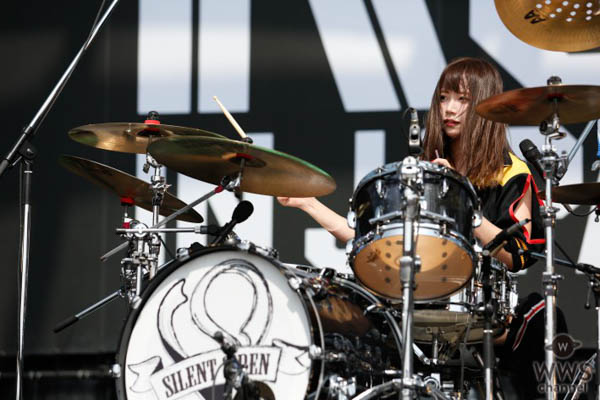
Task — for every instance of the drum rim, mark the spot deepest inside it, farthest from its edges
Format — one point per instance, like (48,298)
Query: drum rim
(390,168)
(469,249)
(133,314)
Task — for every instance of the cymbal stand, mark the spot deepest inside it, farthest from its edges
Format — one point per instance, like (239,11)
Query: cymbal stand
(159,187)
(410,263)
(24,152)
(227,183)
(553,167)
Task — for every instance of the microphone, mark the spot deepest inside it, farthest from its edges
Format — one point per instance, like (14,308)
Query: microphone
(533,155)
(241,213)
(502,237)
(414,134)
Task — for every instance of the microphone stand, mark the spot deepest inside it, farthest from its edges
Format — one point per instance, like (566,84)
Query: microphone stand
(488,311)
(23,152)
(235,376)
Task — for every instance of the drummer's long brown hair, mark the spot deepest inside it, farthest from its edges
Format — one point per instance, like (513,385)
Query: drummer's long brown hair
(483,142)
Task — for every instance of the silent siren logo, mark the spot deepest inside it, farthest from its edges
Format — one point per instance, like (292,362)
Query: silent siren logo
(234,298)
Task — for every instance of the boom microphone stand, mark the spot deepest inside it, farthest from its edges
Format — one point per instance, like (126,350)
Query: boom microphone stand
(23,152)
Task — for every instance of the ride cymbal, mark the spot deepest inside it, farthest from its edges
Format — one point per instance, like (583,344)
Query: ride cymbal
(130,137)
(581,193)
(530,106)
(125,185)
(266,171)
(553,25)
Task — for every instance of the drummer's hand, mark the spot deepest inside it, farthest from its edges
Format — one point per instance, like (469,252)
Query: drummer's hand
(443,162)
(298,202)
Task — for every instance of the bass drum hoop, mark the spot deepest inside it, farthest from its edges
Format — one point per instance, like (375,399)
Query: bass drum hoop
(166,272)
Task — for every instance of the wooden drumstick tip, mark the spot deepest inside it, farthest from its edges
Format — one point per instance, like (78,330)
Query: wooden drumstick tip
(232,120)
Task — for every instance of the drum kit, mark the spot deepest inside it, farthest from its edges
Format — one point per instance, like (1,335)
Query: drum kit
(229,320)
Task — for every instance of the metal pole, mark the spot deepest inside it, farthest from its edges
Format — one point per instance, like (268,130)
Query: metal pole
(409,172)
(549,279)
(26,172)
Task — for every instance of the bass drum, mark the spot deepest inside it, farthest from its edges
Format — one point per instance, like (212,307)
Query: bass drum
(283,336)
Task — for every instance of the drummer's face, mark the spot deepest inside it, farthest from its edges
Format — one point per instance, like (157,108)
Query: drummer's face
(453,106)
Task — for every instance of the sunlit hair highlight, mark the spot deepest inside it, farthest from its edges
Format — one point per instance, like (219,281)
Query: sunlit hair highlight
(483,142)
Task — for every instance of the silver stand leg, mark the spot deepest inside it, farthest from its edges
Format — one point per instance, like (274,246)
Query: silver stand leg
(23,269)
(409,264)
(552,164)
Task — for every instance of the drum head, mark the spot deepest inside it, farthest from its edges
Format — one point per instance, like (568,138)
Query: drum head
(168,352)
(445,266)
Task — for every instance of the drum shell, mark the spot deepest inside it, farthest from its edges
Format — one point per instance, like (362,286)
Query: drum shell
(336,309)
(444,235)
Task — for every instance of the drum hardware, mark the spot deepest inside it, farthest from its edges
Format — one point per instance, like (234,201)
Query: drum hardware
(543,26)
(236,378)
(23,152)
(340,388)
(530,106)
(261,170)
(227,184)
(444,231)
(137,191)
(131,137)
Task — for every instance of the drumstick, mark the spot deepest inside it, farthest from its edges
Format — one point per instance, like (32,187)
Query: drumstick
(233,122)
(437,155)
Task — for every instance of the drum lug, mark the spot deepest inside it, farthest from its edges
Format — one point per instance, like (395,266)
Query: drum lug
(445,189)
(115,371)
(477,218)
(379,188)
(351,218)
(295,282)
(340,388)
(315,352)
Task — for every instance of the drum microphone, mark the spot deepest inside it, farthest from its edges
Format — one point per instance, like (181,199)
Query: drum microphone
(241,213)
(414,134)
(533,155)
(502,237)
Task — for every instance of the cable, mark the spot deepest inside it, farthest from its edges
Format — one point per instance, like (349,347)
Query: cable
(564,253)
(570,210)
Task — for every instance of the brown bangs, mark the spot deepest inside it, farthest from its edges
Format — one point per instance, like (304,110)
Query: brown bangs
(482,142)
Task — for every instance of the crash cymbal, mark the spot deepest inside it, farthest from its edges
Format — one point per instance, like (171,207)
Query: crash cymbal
(581,193)
(530,106)
(130,137)
(125,185)
(553,25)
(266,171)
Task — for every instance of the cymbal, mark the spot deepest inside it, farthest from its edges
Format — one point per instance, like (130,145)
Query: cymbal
(266,171)
(125,185)
(553,25)
(581,193)
(130,137)
(530,106)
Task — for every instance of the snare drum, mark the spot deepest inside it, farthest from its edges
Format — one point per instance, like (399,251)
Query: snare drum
(285,324)
(452,321)
(444,235)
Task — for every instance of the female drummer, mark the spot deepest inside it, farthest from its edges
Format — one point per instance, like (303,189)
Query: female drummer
(460,139)
(477,148)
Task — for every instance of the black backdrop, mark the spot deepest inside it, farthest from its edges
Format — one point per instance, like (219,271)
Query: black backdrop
(292,94)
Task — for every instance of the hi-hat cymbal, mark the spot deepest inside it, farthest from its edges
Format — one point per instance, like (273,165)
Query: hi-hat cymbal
(530,106)
(130,137)
(266,171)
(125,185)
(581,193)
(553,25)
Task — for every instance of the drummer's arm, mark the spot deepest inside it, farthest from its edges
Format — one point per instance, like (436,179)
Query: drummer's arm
(326,217)
(487,231)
